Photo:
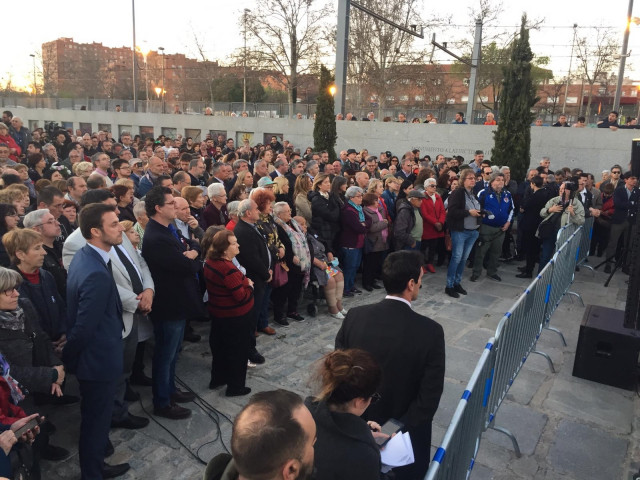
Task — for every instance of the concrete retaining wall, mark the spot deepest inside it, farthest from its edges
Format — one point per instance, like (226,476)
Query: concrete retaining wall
(589,148)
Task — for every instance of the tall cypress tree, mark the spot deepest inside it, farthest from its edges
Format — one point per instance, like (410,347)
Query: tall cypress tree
(324,128)
(513,135)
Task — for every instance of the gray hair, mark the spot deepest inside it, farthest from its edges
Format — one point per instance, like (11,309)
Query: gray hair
(139,209)
(9,279)
(257,163)
(505,169)
(215,189)
(96,156)
(238,163)
(194,163)
(34,218)
(244,207)
(353,191)
(279,207)
(430,181)
(215,168)
(180,176)
(310,165)
(494,176)
(232,207)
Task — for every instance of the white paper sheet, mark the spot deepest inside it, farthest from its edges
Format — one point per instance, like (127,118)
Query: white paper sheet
(398,451)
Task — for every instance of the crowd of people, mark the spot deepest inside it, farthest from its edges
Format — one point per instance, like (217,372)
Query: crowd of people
(109,245)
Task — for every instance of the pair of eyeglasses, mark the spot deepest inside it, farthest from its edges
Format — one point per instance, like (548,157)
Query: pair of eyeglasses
(10,291)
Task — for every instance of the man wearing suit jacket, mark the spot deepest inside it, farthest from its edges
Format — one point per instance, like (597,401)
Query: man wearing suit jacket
(255,258)
(174,265)
(409,348)
(93,351)
(135,305)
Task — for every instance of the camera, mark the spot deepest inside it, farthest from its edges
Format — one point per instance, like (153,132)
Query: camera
(487,213)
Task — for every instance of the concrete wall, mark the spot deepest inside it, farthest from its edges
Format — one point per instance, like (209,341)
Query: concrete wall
(591,149)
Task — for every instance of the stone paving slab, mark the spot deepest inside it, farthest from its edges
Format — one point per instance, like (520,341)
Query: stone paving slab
(607,452)
(545,411)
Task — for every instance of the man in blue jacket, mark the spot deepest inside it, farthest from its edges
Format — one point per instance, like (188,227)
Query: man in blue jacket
(498,206)
(93,351)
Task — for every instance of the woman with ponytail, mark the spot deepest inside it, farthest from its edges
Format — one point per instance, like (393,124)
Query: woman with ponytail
(345,447)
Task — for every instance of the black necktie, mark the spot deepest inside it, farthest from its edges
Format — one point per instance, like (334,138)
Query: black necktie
(136,283)
(109,267)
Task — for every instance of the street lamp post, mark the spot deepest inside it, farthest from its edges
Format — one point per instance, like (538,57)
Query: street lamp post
(566,88)
(133,54)
(244,63)
(623,58)
(163,89)
(35,84)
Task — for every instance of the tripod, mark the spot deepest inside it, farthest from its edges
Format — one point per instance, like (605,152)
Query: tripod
(622,259)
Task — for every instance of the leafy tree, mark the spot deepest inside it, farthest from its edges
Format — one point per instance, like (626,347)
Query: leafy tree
(324,128)
(517,97)
(229,89)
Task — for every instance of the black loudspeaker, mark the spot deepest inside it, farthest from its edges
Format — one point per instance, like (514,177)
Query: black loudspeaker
(607,352)
(635,157)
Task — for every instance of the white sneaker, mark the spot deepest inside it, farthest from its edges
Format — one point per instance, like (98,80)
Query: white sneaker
(250,364)
(344,311)
(338,315)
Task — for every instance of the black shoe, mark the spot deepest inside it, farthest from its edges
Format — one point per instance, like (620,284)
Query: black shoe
(174,412)
(368,288)
(109,450)
(131,422)
(54,454)
(522,269)
(295,316)
(496,277)
(255,357)
(348,294)
(182,397)
(451,291)
(355,290)
(131,395)
(524,275)
(375,286)
(141,380)
(191,337)
(60,401)
(474,277)
(607,268)
(113,471)
(237,392)
(281,321)
(458,288)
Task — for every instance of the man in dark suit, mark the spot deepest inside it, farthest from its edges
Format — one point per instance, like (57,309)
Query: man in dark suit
(528,224)
(254,256)
(174,265)
(93,351)
(409,348)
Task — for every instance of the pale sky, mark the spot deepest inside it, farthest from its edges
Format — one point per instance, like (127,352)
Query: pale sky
(215,22)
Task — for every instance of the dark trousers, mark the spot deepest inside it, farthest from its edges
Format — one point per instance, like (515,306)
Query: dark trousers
(168,335)
(279,297)
(371,265)
(431,246)
(295,288)
(229,350)
(137,370)
(96,407)
(531,245)
(421,443)
(129,345)
(258,296)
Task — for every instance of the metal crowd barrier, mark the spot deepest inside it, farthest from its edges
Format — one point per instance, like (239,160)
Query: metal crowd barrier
(456,456)
(563,235)
(585,243)
(504,356)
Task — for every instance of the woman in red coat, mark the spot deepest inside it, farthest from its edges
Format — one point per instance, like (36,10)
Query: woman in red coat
(433,214)
(14,150)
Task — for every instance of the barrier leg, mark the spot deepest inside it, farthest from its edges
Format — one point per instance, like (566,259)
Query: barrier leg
(576,295)
(553,329)
(511,436)
(589,267)
(549,361)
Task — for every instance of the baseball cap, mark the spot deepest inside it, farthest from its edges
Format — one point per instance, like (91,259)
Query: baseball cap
(265,181)
(135,161)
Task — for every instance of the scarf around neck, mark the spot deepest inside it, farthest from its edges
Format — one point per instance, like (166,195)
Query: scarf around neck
(358,209)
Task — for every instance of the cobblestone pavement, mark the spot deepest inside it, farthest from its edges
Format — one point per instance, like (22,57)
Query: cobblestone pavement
(568,428)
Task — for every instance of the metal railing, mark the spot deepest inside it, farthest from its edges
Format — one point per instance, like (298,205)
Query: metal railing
(515,339)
